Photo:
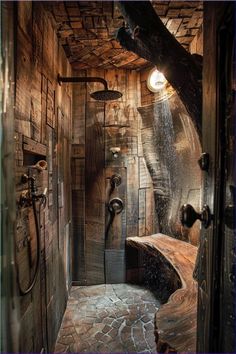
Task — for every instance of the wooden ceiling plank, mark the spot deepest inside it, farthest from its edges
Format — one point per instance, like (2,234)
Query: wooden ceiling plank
(87,30)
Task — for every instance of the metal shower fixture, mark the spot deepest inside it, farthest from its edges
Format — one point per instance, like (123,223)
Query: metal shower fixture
(101,95)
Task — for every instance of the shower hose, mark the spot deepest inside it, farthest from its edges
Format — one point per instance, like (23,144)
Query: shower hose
(37,223)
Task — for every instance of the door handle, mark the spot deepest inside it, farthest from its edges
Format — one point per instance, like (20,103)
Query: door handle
(188,216)
(229,216)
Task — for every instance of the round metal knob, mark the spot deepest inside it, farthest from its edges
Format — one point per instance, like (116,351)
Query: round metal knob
(116,205)
(188,216)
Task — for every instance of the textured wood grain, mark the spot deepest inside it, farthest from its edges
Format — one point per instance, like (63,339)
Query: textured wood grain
(33,147)
(37,98)
(94,193)
(175,322)
(120,123)
(132,196)
(150,39)
(87,30)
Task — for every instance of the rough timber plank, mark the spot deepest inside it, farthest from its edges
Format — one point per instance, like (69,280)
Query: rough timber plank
(132,196)
(33,147)
(175,322)
(94,193)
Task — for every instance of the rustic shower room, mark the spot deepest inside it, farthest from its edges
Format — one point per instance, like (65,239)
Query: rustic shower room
(118,177)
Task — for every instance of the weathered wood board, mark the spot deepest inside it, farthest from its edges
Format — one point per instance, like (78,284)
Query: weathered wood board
(116,124)
(40,135)
(175,321)
(94,193)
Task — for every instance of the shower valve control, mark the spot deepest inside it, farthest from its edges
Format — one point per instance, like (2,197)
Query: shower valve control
(115,206)
(115,180)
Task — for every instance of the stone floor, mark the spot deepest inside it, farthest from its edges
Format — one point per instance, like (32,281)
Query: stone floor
(108,318)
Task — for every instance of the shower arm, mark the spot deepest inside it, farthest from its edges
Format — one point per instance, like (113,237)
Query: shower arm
(82,79)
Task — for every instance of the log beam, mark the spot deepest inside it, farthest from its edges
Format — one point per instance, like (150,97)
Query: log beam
(148,37)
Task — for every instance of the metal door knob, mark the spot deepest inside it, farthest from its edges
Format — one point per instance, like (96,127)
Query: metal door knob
(188,216)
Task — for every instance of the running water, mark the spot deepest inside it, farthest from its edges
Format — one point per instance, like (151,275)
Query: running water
(164,140)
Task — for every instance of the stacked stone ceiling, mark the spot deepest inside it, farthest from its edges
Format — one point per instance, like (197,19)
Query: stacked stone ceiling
(87,30)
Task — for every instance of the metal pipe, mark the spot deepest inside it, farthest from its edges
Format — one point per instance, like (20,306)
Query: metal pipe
(82,79)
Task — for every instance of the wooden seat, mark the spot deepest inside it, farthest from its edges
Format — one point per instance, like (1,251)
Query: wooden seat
(176,320)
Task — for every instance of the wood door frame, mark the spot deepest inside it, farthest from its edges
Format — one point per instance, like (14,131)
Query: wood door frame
(9,300)
(210,308)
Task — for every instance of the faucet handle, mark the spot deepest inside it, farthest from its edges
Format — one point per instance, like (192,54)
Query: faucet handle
(115,180)
(115,205)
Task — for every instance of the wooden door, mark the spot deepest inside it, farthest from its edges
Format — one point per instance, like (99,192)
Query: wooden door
(216,278)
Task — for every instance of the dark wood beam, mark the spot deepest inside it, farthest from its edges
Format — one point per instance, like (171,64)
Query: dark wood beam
(148,37)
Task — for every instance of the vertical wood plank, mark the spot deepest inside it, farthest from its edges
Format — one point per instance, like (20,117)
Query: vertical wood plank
(142,212)
(132,196)
(94,193)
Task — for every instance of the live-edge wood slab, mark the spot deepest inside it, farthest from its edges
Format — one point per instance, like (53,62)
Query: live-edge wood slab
(176,321)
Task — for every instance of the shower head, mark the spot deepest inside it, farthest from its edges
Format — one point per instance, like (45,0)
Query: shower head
(106,95)
(102,95)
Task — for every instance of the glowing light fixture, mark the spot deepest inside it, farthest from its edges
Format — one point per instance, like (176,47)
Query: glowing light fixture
(156,80)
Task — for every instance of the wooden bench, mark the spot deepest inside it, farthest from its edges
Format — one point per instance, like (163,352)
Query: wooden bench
(176,320)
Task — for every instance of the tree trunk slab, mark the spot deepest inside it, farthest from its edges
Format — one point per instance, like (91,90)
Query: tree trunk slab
(176,321)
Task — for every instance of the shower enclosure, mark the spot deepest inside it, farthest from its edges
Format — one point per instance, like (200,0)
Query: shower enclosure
(149,147)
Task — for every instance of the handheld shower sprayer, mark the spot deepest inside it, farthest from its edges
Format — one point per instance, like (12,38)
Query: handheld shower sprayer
(30,199)
(41,165)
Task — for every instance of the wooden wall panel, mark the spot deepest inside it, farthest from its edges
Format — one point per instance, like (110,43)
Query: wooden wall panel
(115,124)
(142,212)
(79,97)
(132,196)
(23,84)
(41,135)
(24,18)
(94,193)
(78,245)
